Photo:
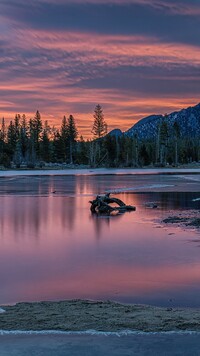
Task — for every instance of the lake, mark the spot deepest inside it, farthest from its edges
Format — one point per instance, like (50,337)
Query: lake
(53,248)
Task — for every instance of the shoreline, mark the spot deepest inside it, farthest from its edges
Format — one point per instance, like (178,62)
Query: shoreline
(99,316)
(98,171)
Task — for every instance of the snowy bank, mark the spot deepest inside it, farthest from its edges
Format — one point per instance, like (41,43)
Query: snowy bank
(79,315)
(96,171)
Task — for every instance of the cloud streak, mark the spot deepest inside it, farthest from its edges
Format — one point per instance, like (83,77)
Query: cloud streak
(60,67)
(182,7)
(133,17)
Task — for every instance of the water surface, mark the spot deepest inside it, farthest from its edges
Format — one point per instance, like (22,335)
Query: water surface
(52,248)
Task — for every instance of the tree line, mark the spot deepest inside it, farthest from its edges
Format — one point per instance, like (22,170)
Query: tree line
(34,143)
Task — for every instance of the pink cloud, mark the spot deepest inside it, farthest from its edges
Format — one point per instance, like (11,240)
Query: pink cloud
(109,48)
(47,78)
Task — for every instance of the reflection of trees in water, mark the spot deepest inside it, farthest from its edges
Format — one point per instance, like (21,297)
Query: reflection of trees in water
(25,217)
(90,185)
(33,215)
(66,186)
(165,200)
(102,223)
(68,212)
(102,183)
(21,216)
(44,212)
(178,200)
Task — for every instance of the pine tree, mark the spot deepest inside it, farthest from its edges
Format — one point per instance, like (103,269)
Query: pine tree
(57,147)
(3,131)
(72,135)
(2,136)
(35,131)
(82,151)
(144,156)
(11,138)
(45,143)
(24,136)
(64,138)
(135,150)
(17,126)
(17,157)
(99,126)
(176,129)
(163,140)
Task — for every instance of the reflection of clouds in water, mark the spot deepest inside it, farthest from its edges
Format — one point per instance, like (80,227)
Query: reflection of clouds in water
(131,256)
(30,215)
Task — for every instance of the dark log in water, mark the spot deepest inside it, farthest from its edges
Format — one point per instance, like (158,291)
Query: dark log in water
(101,205)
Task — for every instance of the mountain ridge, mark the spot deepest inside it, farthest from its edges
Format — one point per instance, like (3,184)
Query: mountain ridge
(188,120)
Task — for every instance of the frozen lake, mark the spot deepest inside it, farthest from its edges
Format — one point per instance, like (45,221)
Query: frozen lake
(52,248)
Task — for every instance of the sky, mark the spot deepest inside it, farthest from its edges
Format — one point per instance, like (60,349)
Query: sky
(133,57)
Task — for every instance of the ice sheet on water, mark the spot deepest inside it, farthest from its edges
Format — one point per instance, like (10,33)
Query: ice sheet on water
(96,171)
(97,333)
(130,189)
(193,178)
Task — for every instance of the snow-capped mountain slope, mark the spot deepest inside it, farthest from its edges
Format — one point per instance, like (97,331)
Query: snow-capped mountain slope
(188,121)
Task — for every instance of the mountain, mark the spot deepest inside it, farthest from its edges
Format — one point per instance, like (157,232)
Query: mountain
(116,133)
(187,119)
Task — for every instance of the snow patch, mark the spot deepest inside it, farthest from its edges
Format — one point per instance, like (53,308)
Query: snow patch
(97,171)
(97,333)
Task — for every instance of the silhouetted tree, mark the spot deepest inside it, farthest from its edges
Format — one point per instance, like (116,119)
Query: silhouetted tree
(57,147)
(11,138)
(72,135)
(144,156)
(17,126)
(64,138)
(99,126)
(163,140)
(35,132)
(176,129)
(82,148)
(24,137)
(45,143)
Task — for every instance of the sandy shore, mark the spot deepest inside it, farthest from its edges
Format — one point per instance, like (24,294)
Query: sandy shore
(79,315)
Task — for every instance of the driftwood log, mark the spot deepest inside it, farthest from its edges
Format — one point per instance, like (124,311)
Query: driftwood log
(101,205)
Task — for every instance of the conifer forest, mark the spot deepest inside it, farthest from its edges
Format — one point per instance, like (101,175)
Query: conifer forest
(33,143)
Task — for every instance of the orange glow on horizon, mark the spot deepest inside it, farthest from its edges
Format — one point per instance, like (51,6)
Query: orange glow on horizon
(122,116)
(60,93)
